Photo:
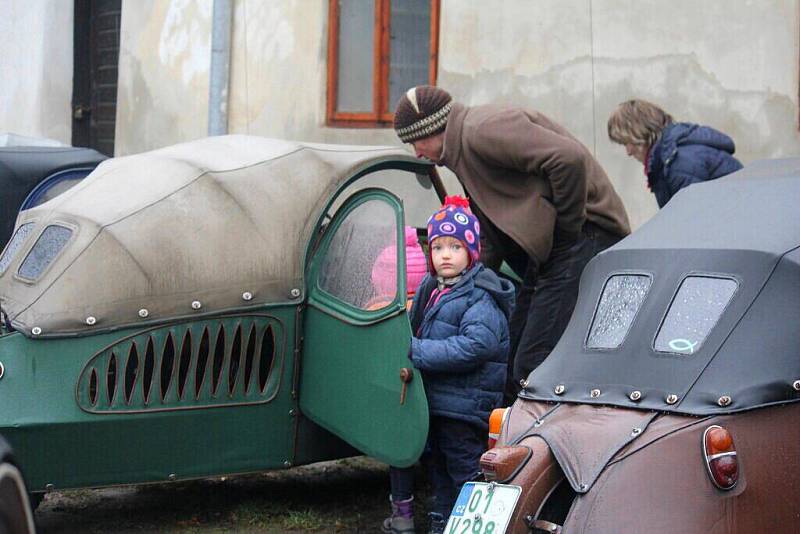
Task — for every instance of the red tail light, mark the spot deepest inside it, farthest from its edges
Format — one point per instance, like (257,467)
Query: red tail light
(719,452)
(496,419)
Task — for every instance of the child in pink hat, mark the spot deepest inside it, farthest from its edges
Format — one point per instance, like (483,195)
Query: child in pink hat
(384,271)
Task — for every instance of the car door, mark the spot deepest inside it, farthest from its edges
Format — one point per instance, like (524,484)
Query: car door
(357,334)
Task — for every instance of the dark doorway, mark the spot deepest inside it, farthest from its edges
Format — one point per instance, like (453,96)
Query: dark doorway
(94,86)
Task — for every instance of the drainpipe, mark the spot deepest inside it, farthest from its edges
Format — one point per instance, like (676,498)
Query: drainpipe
(219,77)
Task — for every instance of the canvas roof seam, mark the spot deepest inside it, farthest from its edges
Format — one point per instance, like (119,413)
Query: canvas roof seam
(235,200)
(192,181)
(76,189)
(735,325)
(377,148)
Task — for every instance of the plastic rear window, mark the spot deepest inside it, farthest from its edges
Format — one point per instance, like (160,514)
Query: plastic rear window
(622,297)
(14,245)
(47,247)
(694,311)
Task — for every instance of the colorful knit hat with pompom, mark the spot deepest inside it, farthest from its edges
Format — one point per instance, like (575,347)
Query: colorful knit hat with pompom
(455,219)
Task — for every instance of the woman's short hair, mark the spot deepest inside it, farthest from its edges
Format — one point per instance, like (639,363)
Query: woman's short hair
(638,122)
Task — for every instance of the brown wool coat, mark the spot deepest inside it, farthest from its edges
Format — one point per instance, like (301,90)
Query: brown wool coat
(529,176)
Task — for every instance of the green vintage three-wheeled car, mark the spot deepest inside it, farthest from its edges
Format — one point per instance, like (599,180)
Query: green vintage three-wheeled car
(208,309)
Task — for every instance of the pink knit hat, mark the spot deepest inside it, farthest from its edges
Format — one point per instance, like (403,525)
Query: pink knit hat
(384,271)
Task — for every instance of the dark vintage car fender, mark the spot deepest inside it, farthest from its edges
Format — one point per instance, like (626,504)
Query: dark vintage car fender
(31,174)
(15,511)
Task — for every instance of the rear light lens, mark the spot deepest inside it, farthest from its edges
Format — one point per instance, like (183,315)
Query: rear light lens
(719,452)
(503,463)
(496,420)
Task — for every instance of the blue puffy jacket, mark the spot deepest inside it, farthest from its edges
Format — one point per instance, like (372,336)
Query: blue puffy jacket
(688,153)
(461,344)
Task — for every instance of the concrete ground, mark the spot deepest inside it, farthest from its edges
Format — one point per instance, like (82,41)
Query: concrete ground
(348,495)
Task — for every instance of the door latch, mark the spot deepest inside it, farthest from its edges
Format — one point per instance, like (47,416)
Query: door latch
(406,376)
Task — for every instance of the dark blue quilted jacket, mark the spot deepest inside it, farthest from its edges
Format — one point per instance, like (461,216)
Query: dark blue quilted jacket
(461,344)
(688,153)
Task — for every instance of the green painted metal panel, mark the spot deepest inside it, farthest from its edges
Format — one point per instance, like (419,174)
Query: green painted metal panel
(352,360)
(59,437)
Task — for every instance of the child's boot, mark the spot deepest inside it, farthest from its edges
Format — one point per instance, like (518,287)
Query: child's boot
(402,519)
(438,523)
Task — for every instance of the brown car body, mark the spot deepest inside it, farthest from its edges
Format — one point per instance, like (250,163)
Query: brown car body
(610,436)
(658,481)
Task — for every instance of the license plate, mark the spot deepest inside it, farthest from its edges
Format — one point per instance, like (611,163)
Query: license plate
(483,508)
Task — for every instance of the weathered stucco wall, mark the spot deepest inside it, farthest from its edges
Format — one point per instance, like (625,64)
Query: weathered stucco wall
(278,74)
(165,50)
(730,64)
(36,68)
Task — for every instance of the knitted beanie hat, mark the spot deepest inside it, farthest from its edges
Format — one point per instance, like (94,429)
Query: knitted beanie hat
(384,270)
(421,112)
(455,219)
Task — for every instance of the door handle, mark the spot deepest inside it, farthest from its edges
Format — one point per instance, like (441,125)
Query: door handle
(406,376)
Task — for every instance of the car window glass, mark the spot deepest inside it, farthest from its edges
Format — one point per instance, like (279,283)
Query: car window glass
(57,188)
(14,245)
(622,297)
(44,251)
(54,185)
(694,311)
(360,265)
(414,190)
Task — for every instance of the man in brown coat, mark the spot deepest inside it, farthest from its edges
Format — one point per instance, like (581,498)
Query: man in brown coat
(545,205)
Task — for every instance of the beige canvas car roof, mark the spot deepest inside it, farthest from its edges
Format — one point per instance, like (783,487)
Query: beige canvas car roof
(216,224)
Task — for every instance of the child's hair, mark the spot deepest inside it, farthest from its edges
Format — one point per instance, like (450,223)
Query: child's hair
(637,122)
(455,219)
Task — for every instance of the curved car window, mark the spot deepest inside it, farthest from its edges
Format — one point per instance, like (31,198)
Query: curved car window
(54,185)
(44,251)
(694,311)
(56,189)
(360,265)
(14,245)
(415,190)
(622,297)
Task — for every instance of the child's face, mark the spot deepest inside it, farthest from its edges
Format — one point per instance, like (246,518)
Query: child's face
(449,255)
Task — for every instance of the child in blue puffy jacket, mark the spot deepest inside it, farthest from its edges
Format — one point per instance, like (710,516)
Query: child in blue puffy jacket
(460,322)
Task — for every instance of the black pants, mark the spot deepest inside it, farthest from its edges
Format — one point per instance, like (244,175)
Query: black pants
(452,456)
(545,301)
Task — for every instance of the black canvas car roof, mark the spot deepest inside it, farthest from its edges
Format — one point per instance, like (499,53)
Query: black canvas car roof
(22,168)
(744,229)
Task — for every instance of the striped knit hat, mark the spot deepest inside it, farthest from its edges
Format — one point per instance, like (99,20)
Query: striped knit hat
(421,112)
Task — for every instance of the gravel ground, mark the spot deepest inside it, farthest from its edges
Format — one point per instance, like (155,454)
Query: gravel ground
(348,495)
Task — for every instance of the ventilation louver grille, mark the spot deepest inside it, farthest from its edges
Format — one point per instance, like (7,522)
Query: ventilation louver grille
(234,360)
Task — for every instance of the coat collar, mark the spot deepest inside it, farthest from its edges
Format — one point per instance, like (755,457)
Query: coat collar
(451,152)
(465,285)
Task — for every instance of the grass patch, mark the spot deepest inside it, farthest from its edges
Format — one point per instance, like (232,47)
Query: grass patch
(303,520)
